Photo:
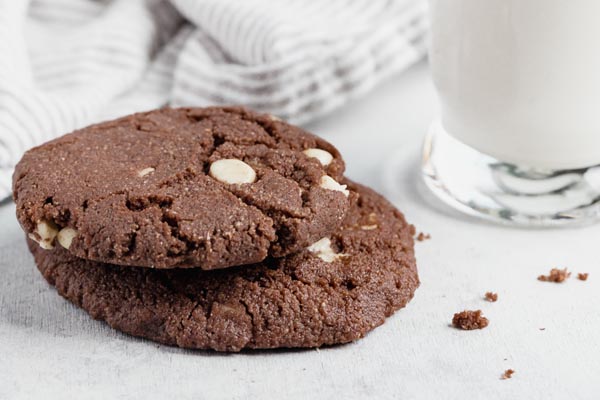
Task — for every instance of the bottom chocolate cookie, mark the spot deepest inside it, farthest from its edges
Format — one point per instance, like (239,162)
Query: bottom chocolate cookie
(334,292)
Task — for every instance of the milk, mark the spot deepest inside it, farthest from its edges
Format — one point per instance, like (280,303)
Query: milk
(520,79)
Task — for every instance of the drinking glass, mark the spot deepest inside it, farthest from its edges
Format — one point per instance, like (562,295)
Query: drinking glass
(518,81)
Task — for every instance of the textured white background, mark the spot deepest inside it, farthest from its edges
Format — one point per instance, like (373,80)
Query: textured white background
(50,349)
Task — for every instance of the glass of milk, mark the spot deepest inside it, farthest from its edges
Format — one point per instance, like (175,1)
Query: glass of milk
(518,81)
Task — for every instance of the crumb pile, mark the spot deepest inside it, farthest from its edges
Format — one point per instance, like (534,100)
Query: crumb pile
(556,275)
(468,320)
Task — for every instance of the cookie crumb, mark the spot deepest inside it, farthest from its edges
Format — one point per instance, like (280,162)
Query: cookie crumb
(508,374)
(491,296)
(421,237)
(556,275)
(582,276)
(468,320)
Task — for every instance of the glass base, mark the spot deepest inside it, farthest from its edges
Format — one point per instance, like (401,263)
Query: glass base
(482,186)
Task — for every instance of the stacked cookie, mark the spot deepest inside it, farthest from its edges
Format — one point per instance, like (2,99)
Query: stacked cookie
(215,228)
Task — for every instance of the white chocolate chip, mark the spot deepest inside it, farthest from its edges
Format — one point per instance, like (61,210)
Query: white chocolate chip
(274,118)
(323,156)
(145,171)
(328,182)
(46,232)
(232,171)
(65,237)
(322,249)
(369,227)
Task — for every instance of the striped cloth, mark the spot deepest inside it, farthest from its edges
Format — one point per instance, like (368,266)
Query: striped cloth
(68,63)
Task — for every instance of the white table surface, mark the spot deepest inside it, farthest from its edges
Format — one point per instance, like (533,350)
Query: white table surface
(50,349)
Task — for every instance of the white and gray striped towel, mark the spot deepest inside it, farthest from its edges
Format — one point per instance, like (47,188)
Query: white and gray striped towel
(67,63)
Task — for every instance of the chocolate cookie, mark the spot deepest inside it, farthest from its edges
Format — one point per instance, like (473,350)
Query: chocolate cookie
(335,291)
(212,188)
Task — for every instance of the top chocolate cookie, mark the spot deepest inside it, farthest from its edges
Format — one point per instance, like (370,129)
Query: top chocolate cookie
(190,187)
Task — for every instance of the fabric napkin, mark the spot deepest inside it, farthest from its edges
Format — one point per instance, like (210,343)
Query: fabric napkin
(65,64)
